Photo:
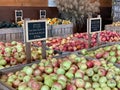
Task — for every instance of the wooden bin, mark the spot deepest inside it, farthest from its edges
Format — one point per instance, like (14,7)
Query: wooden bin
(62,30)
(11,34)
(110,27)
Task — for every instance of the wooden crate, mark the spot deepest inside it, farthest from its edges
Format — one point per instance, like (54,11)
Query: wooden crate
(11,34)
(110,27)
(62,30)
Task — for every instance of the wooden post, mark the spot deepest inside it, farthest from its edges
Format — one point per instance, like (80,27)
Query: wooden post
(28,52)
(43,49)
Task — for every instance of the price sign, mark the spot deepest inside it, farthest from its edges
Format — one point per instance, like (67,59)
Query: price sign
(18,15)
(35,30)
(42,14)
(93,25)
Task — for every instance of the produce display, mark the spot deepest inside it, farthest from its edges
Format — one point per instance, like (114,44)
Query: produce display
(79,41)
(105,36)
(5,24)
(57,21)
(116,23)
(108,53)
(67,44)
(13,53)
(69,73)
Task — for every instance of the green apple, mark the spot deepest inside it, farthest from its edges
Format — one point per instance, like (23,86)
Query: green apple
(103,85)
(86,78)
(78,59)
(88,85)
(95,85)
(28,88)
(112,53)
(106,88)
(82,66)
(113,59)
(60,71)
(95,77)
(69,75)
(90,72)
(118,84)
(22,87)
(102,79)
(99,88)
(26,78)
(80,89)
(45,87)
(66,64)
(111,83)
(110,75)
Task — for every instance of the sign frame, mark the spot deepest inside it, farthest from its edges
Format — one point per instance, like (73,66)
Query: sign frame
(27,33)
(89,20)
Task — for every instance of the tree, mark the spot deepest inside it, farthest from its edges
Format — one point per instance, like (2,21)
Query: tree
(77,10)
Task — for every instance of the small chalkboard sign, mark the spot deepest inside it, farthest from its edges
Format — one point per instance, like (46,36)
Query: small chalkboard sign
(94,25)
(35,30)
(18,15)
(42,14)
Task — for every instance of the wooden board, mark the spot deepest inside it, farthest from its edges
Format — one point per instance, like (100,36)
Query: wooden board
(105,3)
(24,3)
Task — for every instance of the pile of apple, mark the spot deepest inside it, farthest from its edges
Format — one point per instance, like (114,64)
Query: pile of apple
(14,53)
(68,44)
(105,36)
(69,73)
(108,53)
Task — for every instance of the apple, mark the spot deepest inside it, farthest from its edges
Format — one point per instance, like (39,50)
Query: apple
(95,77)
(111,83)
(44,87)
(82,66)
(29,71)
(37,72)
(95,85)
(60,71)
(70,87)
(79,74)
(69,75)
(56,86)
(48,69)
(62,77)
(102,85)
(86,78)
(66,64)
(110,75)
(113,59)
(63,83)
(26,78)
(106,88)
(48,81)
(90,72)
(87,85)
(22,87)
(79,83)
(99,88)
(102,79)
(90,64)
(102,72)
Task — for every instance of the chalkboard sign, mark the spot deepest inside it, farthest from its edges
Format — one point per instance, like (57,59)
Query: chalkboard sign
(35,30)
(18,15)
(94,25)
(42,13)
